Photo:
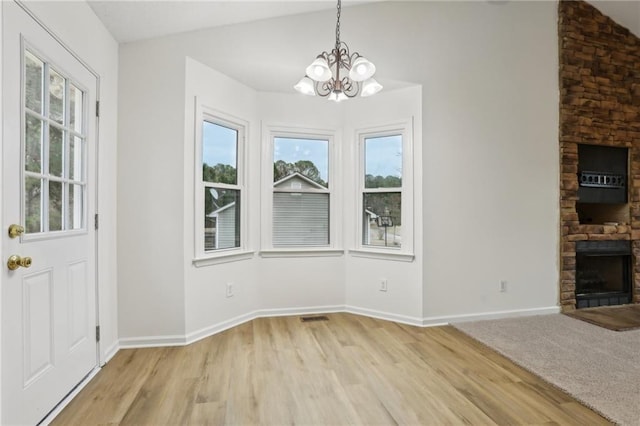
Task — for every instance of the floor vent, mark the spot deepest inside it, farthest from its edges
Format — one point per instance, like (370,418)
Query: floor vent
(314,318)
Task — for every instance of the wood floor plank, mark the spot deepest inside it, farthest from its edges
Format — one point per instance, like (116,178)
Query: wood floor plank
(347,370)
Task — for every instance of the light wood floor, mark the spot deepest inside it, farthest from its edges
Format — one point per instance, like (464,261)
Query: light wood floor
(348,370)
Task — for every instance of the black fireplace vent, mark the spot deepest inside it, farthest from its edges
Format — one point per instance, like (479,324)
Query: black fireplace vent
(607,248)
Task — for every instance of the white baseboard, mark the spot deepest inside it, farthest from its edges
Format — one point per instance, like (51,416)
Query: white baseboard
(285,312)
(110,353)
(152,341)
(384,315)
(176,340)
(218,328)
(450,319)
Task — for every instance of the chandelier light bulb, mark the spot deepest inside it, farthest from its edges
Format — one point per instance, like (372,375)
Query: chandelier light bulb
(370,87)
(361,69)
(319,70)
(305,86)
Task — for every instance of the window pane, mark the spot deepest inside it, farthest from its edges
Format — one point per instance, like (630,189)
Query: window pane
(383,162)
(300,219)
(221,218)
(75,108)
(33,82)
(56,96)
(55,151)
(76,146)
(308,157)
(74,219)
(55,206)
(33,142)
(219,154)
(382,219)
(33,203)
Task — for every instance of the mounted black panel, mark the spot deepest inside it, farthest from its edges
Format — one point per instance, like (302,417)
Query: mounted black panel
(602,174)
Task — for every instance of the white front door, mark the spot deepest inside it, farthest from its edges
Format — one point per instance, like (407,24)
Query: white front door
(48,188)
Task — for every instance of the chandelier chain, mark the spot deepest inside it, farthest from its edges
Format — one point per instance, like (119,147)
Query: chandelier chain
(339,7)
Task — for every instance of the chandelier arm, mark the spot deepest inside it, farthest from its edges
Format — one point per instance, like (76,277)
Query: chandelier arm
(349,87)
(325,88)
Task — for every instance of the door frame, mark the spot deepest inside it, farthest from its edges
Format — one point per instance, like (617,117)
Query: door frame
(95,172)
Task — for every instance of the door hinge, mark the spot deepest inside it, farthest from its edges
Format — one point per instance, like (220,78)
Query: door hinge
(96,221)
(97,108)
(97,333)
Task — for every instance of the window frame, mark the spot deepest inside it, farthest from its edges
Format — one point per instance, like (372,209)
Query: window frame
(406,251)
(334,248)
(204,257)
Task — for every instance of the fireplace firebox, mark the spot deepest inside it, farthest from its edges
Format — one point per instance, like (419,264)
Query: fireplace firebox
(603,273)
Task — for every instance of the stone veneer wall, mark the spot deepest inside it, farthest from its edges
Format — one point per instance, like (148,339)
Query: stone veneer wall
(599,105)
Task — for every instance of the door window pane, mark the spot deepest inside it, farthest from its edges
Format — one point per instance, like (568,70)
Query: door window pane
(383,162)
(75,206)
(75,158)
(55,151)
(308,157)
(33,144)
(219,154)
(75,108)
(33,82)
(221,218)
(33,203)
(382,219)
(55,206)
(56,96)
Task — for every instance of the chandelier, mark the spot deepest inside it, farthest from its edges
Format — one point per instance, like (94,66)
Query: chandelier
(339,75)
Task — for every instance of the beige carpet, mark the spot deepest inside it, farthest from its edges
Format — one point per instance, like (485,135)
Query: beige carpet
(597,366)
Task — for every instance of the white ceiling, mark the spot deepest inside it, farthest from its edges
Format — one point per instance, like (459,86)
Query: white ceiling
(143,19)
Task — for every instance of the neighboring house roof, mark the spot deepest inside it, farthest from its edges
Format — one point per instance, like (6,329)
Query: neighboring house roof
(221,209)
(370,213)
(299,176)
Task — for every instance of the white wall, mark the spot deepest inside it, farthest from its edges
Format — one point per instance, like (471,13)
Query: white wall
(491,158)
(78,27)
(486,166)
(150,192)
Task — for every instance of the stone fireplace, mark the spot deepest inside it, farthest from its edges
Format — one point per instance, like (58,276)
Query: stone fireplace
(599,159)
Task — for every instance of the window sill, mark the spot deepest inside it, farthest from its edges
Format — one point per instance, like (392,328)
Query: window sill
(301,253)
(219,258)
(383,255)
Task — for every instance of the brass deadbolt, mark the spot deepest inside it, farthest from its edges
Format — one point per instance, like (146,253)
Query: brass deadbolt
(15,262)
(15,230)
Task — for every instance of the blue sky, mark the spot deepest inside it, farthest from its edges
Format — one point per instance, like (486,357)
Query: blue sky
(219,144)
(383,156)
(291,150)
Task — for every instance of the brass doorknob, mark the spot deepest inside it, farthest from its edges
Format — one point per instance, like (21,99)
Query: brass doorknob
(15,262)
(15,230)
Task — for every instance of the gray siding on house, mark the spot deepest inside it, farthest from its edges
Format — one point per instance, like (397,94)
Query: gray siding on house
(226,232)
(300,219)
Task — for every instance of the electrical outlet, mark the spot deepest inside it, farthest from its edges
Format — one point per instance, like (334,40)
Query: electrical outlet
(383,284)
(229,289)
(503,286)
